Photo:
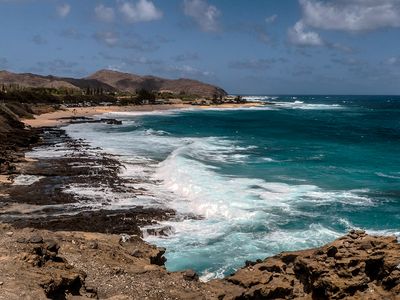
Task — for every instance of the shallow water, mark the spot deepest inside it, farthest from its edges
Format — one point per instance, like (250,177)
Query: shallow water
(286,176)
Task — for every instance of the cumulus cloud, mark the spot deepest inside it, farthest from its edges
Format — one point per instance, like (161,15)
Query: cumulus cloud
(205,15)
(104,13)
(298,35)
(351,15)
(63,10)
(141,11)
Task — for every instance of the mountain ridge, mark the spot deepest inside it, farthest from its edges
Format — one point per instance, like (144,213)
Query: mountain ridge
(115,81)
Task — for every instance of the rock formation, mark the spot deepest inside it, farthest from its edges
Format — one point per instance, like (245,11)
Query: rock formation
(64,265)
(356,266)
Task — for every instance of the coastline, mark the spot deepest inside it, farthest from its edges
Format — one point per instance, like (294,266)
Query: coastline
(135,268)
(60,117)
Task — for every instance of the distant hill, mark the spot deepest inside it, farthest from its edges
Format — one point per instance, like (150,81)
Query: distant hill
(39,81)
(114,81)
(131,82)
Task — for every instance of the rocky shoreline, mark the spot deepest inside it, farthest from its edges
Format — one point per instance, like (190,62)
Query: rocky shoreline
(44,264)
(54,245)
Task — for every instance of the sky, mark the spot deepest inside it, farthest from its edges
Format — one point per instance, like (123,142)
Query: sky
(246,47)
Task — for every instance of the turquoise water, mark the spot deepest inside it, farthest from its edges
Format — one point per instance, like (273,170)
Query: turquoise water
(293,174)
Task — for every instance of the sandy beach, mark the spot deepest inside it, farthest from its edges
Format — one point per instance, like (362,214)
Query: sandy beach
(60,117)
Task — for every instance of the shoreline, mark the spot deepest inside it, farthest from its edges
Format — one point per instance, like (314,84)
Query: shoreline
(136,269)
(61,117)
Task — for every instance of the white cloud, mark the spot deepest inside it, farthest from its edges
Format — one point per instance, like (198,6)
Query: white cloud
(393,61)
(183,71)
(103,13)
(141,11)
(204,14)
(63,10)
(271,19)
(110,38)
(351,15)
(299,36)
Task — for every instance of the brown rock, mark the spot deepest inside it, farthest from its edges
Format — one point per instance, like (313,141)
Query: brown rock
(36,239)
(190,275)
(329,272)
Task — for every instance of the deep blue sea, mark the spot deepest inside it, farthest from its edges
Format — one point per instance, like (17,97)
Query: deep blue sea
(295,173)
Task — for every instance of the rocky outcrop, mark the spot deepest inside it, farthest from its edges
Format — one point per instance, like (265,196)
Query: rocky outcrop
(66,265)
(13,136)
(356,266)
(40,264)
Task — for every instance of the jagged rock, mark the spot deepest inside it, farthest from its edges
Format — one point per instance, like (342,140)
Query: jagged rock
(52,246)
(190,275)
(158,258)
(159,231)
(357,266)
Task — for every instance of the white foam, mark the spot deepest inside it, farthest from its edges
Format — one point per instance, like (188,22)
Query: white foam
(241,216)
(26,179)
(259,98)
(380,174)
(56,151)
(306,106)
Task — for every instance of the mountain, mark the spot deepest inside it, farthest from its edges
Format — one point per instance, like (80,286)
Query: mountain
(39,81)
(131,82)
(114,81)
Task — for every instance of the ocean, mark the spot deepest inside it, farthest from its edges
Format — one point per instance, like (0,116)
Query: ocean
(249,183)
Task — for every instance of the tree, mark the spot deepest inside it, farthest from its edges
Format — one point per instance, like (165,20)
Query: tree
(239,99)
(144,95)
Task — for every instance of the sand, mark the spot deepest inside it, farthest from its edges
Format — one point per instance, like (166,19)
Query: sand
(56,118)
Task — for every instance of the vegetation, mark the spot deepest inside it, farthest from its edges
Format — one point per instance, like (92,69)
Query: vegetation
(95,96)
(239,100)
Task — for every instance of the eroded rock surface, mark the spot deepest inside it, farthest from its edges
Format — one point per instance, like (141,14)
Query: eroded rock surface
(356,266)
(40,264)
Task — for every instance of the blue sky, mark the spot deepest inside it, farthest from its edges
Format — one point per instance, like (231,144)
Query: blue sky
(248,47)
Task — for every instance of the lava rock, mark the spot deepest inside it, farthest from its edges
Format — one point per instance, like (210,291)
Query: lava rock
(52,246)
(36,239)
(190,275)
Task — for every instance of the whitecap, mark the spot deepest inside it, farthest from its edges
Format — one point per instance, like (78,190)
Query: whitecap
(388,175)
